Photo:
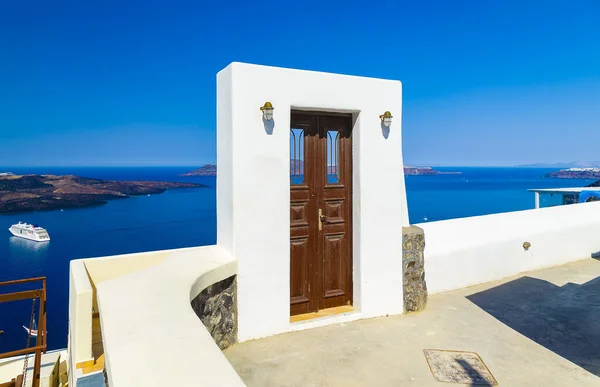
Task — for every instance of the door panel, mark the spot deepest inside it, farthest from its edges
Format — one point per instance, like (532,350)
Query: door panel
(335,200)
(320,212)
(303,228)
(299,259)
(333,284)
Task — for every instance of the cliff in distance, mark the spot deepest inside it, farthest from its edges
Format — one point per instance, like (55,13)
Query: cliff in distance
(21,193)
(205,170)
(426,171)
(575,173)
(594,184)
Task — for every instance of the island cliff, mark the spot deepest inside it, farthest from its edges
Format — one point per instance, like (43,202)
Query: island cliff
(575,173)
(426,171)
(205,170)
(594,184)
(21,193)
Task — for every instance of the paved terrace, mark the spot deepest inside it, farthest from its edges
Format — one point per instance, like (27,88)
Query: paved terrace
(539,328)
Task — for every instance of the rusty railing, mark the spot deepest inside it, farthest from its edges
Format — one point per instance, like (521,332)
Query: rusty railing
(40,344)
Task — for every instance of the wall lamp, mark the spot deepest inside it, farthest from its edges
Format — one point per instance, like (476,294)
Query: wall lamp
(386,119)
(267,110)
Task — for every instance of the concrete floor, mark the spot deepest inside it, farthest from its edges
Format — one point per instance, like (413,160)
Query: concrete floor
(538,329)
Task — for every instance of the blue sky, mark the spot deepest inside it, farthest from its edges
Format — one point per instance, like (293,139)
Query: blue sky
(133,82)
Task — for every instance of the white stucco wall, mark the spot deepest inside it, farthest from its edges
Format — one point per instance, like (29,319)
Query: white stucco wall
(106,268)
(469,251)
(151,334)
(144,300)
(13,366)
(253,192)
(80,316)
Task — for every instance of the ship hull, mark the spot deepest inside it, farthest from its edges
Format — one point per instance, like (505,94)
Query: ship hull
(28,237)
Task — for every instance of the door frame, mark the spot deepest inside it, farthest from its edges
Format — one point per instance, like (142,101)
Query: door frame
(317,300)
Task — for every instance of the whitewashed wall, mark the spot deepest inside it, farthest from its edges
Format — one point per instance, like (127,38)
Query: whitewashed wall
(253,193)
(469,251)
(80,317)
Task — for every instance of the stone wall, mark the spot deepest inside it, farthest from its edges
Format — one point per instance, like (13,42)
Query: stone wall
(216,306)
(413,269)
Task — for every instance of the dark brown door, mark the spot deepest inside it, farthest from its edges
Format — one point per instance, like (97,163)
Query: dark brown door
(321,211)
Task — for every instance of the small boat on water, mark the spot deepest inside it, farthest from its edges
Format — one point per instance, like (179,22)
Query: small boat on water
(32,232)
(34,331)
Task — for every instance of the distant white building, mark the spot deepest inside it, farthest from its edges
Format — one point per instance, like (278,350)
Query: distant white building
(590,169)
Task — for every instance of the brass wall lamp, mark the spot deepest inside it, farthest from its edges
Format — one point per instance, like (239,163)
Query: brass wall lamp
(386,119)
(267,110)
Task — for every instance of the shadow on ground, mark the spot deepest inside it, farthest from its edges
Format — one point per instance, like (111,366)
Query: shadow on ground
(564,319)
(474,374)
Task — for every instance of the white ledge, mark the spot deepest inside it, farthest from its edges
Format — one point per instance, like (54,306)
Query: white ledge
(469,251)
(151,335)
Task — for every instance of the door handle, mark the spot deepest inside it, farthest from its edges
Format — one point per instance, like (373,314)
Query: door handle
(322,219)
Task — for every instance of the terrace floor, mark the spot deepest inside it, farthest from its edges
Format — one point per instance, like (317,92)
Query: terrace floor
(540,328)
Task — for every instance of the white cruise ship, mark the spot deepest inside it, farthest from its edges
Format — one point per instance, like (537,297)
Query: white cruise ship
(29,231)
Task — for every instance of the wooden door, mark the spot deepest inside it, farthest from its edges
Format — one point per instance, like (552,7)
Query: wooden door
(320,211)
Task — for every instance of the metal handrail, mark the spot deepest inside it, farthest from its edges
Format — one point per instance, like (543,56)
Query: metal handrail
(40,346)
(22,281)
(23,351)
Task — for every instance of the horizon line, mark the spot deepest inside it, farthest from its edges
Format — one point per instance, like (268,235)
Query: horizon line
(419,165)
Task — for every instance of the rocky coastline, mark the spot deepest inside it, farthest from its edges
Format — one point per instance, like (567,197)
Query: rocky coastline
(575,173)
(594,184)
(426,171)
(23,193)
(205,170)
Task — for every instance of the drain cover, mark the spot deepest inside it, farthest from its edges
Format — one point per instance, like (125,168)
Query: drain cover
(458,367)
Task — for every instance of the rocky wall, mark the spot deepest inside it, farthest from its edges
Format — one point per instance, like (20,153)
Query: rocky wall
(216,306)
(413,267)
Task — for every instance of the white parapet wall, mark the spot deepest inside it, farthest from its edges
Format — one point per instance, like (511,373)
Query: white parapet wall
(80,317)
(85,275)
(151,334)
(11,367)
(468,251)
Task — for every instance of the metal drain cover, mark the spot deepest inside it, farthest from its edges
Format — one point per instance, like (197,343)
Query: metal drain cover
(458,367)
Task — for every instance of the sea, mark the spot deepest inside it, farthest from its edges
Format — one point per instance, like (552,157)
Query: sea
(187,217)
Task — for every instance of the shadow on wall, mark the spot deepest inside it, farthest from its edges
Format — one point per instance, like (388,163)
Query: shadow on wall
(564,319)
(269,125)
(385,131)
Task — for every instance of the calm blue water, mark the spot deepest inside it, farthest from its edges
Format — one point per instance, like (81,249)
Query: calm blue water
(479,191)
(187,217)
(176,218)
